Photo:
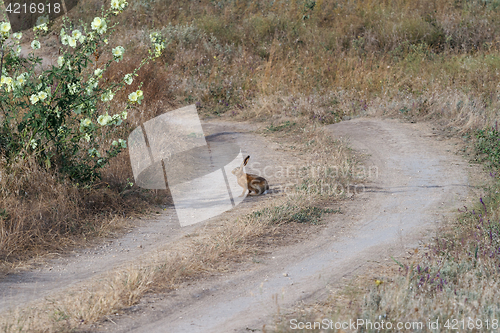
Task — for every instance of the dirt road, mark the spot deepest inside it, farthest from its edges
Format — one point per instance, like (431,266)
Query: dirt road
(417,180)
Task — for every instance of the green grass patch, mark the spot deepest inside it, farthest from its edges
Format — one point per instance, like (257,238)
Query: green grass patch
(293,213)
(275,128)
(488,147)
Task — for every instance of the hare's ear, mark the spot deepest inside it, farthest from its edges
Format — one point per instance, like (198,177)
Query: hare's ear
(245,161)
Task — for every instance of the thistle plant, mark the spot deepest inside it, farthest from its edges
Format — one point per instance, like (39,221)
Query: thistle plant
(62,116)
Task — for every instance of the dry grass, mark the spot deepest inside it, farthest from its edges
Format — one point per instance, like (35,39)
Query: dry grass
(411,55)
(230,54)
(41,213)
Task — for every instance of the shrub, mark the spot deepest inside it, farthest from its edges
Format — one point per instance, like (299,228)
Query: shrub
(60,116)
(488,147)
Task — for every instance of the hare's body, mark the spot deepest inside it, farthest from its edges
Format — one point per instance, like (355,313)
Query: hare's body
(256,185)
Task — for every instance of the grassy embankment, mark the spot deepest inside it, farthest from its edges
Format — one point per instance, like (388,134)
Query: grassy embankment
(305,62)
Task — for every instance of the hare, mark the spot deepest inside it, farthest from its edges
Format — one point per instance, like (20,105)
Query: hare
(256,185)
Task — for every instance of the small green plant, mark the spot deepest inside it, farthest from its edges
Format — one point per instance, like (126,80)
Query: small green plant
(293,213)
(275,128)
(311,215)
(404,110)
(308,8)
(60,116)
(488,147)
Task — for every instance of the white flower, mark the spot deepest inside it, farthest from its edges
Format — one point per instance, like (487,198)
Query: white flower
(76,34)
(118,5)
(42,95)
(99,25)
(35,45)
(154,37)
(98,72)
(64,39)
(107,96)
(128,79)
(5,29)
(72,42)
(159,47)
(21,79)
(114,143)
(72,87)
(87,137)
(92,84)
(124,115)
(103,120)
(7,81)
(132,97)
(17,35)
(18,49)
(41,27)
(41,23)
(34,98)
(118,53)
(42,20)
(96,23)
(136,96)
(60,61)
(123,143)
(85,122)
(33,143)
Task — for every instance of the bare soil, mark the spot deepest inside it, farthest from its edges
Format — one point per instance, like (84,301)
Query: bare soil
(416,182)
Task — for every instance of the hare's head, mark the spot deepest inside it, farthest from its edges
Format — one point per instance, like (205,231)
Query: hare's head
(239,170)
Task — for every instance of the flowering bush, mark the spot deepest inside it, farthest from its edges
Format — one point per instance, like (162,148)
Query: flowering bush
(60,115)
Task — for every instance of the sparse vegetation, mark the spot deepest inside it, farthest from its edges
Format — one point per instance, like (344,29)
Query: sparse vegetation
(488,147)
(326,60)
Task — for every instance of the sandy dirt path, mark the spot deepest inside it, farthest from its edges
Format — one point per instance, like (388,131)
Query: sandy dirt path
(416,181)
(419,182)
